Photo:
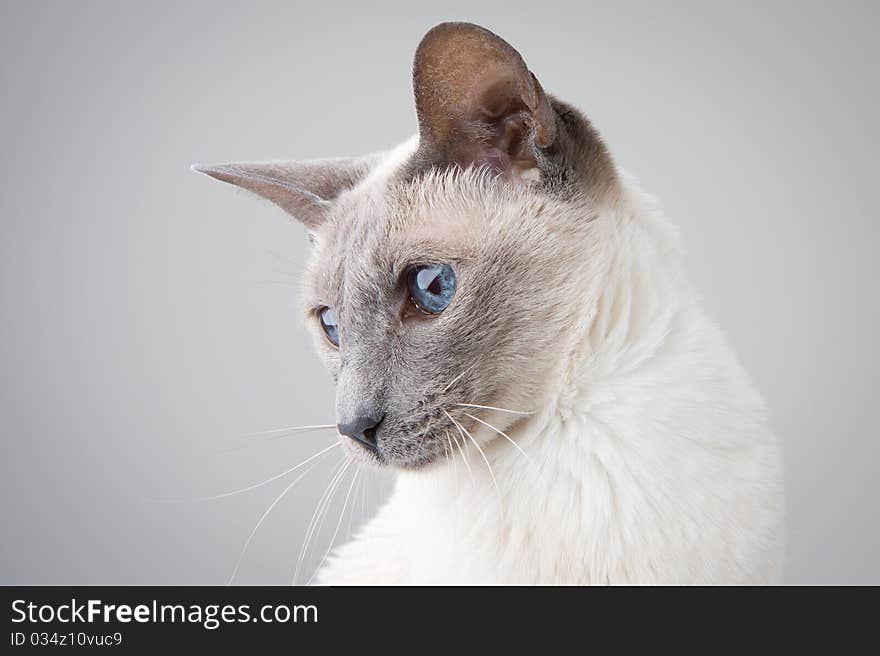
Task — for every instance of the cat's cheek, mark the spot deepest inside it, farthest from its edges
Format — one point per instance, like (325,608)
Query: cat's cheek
(331,361)
(328,355)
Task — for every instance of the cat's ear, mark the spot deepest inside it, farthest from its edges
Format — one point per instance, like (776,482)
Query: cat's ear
(477,101)
(304,189)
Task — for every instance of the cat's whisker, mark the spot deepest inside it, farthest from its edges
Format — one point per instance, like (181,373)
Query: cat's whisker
(466,370)
(446,453)
(269,435)
(338,524)
(320,510)
(337,470)
(285,435)
(262,518)
(491,407)
(451,451)
(502,434)
(242,490)
(357,491)
(363,498)
(327,502)
(366,495)
(464,440)
(464,457)
(323,517)
(289,429)
(485,459)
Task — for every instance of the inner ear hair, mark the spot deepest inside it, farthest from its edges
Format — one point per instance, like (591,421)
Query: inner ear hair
(477,102)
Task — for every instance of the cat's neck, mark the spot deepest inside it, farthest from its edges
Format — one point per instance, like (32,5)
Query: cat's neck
(640,292)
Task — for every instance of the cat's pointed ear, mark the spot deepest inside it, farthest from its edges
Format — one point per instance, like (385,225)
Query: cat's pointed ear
(477,101)
(304,189)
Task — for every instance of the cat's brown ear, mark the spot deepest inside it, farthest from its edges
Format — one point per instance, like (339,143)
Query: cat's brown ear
(304,189)
(477,102)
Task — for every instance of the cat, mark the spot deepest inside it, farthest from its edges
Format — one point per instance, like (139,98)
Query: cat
(505,316)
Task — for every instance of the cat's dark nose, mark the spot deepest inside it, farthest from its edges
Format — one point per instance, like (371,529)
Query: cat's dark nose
(362,429)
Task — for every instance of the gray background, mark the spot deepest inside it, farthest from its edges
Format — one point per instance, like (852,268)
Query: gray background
(149,315)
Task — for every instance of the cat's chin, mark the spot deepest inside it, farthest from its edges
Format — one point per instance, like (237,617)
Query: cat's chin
(362,455)
(422,464)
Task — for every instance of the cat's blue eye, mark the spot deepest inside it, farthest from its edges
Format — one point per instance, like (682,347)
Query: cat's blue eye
(329,325)
(431,287)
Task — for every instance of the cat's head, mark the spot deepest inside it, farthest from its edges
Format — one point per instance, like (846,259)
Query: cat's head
(449,273)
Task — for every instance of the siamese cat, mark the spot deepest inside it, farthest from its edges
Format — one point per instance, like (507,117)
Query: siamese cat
(505,315)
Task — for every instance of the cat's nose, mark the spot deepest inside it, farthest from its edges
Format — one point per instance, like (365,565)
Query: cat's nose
(362,429)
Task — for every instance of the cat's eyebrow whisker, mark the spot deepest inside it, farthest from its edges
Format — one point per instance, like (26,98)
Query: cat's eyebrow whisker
(502,434)
(223,495)
(262,518)
(323,502)
(338,524)
(491,407)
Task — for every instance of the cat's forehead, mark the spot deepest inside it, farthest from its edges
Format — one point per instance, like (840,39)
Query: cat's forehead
(391,220)
(382,228)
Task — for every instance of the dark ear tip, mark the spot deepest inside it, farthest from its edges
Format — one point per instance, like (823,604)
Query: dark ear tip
(450,29)
(460,26)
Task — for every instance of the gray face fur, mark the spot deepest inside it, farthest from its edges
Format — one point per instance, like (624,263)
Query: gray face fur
(503,186)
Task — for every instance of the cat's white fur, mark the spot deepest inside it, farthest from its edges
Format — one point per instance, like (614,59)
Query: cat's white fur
(651,461)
